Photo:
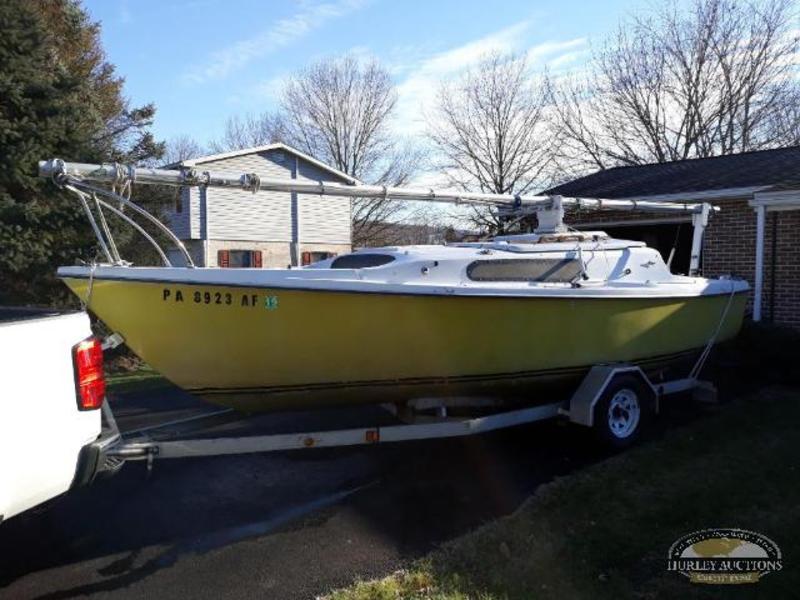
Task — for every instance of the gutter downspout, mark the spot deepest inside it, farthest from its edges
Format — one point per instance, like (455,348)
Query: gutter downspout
(206,228)
(761,214)
(295,208)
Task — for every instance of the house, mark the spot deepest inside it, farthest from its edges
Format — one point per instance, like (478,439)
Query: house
(409,234)
(236,228)
(756,234)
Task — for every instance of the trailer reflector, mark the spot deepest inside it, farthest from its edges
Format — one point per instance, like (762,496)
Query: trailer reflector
(90,382)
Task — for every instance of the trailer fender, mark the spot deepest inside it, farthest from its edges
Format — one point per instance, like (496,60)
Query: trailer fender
(599,377)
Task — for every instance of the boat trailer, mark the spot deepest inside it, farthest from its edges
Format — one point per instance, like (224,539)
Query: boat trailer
(614,400)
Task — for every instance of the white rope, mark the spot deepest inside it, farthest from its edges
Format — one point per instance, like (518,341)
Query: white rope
(86,304)
(123,178)
(698,366)
(252,181)
(59,172)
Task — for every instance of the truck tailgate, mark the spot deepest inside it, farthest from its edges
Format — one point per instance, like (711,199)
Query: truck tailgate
(42,430)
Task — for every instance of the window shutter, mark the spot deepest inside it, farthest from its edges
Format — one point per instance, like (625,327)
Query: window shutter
(256,259)
(306,258)
(224,258)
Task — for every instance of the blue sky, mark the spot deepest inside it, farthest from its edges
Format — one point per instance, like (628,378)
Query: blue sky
(202,61)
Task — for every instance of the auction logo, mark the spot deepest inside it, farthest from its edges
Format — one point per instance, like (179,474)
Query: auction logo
(724,556)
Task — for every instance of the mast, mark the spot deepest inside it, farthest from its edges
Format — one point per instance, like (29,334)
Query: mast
(520,204)
(548,209)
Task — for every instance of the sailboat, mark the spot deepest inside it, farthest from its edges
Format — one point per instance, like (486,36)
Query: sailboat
(513,317)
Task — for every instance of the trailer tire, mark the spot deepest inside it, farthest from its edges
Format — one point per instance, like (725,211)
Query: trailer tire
(623,411)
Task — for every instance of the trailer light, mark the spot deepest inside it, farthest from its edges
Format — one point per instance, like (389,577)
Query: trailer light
(90,382)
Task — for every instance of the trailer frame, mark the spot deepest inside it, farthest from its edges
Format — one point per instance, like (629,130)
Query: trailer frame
(580,409)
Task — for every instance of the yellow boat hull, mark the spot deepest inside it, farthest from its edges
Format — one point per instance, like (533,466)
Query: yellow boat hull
(264,349)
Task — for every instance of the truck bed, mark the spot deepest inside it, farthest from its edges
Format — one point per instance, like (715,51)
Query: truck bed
(22,313)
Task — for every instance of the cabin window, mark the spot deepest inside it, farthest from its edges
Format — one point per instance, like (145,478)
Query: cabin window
(361,261)
(239,259)
(308,258)
(550,270)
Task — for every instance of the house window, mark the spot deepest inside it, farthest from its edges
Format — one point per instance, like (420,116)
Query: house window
(239,259)
(550,270)
(308,258)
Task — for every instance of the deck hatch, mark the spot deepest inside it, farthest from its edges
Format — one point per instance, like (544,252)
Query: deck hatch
(361,261)
(550,270)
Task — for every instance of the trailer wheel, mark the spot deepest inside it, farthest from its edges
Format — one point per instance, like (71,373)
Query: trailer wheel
(623,411)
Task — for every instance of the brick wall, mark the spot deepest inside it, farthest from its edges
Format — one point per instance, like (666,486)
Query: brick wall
(731,248)
(730,244)
(602,216)
(785,308)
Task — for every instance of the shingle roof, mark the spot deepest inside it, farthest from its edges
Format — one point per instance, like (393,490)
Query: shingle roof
(766,168)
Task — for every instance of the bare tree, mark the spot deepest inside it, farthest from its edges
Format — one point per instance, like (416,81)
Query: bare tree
(491,129)
(249,131)
(338,111)
(715,79)
(180,148)
(784,125)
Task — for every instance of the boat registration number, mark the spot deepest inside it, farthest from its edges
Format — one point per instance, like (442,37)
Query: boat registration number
(243,299)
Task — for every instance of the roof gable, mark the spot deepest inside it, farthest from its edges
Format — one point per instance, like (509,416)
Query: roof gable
(760,169)
(193,162)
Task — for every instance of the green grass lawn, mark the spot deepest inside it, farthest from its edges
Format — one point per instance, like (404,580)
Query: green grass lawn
(604,532)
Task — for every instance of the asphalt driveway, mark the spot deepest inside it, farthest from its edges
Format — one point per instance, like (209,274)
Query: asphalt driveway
(281,525)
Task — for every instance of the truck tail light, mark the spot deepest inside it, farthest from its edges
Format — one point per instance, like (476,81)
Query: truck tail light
(90,382)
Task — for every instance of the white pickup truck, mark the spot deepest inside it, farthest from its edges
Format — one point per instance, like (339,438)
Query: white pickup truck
(52,389)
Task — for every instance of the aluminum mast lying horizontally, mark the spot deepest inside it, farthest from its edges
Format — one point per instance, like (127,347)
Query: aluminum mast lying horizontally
(549,209)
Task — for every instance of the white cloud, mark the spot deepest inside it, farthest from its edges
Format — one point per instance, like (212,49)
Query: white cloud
(417,91)
(567,58)
(556,53)
(270,89)
(278,35)
(456,59)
